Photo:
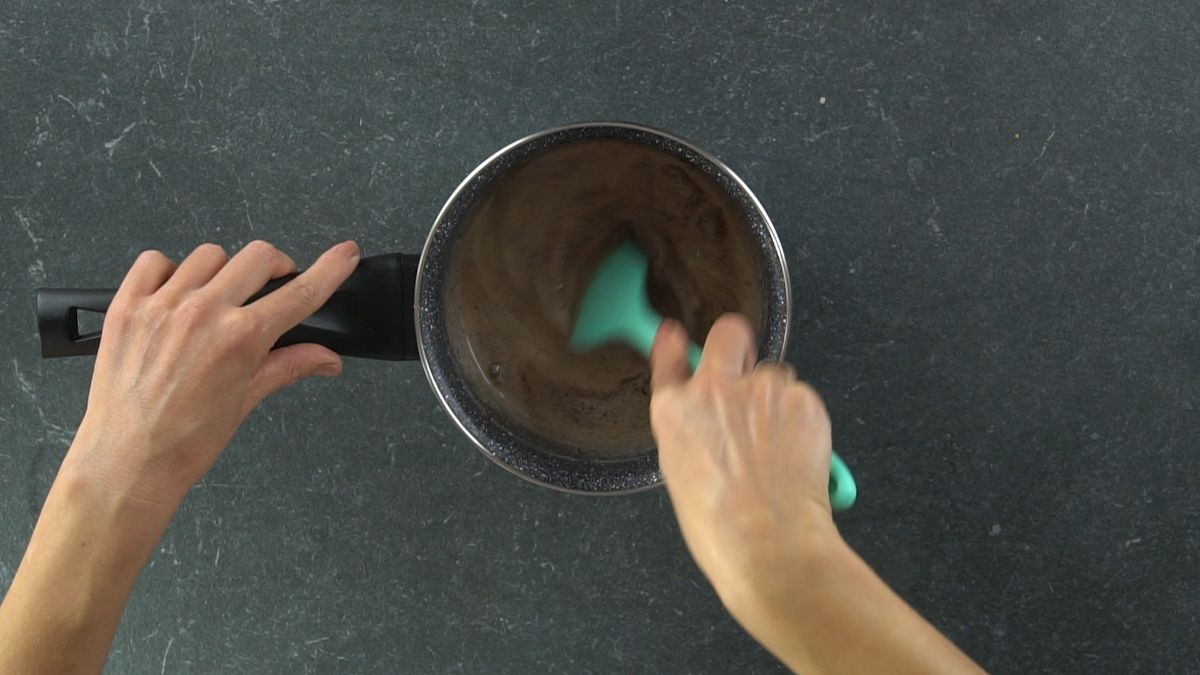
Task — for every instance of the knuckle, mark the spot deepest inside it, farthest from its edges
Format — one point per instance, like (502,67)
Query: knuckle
(156,305)
(766,386)
(807,400)
(243,325)
(118,316)
(772,371)
(194,309)
(305,291)
(295,371)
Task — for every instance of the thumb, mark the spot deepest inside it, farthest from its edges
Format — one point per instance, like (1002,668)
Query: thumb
(669,356)
(287,366)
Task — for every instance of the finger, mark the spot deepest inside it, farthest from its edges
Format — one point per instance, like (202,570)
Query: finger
(668,357)
(296,300)
(248,271)
(781,370)
(730,349)
(147,274)
(197,269)
(287,366)
(811,406)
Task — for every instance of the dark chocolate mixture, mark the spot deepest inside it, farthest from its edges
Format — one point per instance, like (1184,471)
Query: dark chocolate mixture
(528,254)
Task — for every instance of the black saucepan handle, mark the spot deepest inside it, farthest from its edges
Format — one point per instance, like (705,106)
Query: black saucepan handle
(369,316)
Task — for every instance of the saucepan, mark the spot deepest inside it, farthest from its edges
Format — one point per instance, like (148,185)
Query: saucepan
(396,307)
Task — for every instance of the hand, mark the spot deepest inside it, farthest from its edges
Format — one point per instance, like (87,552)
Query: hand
(182,362)
(745,453)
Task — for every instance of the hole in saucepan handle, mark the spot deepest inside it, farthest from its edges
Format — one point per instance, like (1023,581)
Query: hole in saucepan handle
(88,323)
(58,313)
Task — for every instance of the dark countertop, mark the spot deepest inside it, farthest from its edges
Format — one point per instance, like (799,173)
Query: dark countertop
(990,212)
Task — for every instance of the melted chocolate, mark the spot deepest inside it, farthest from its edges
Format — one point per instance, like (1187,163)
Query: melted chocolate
(528,253)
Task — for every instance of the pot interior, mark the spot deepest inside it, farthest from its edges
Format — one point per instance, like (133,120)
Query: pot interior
(510,256)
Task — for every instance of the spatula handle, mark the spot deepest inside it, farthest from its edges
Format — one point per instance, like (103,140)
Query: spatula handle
(843,490)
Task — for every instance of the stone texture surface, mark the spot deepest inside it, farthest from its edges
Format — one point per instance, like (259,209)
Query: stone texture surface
(990,214)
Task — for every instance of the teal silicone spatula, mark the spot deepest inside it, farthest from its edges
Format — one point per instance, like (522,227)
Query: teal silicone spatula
(616,308)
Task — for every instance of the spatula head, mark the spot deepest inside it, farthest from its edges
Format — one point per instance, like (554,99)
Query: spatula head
(615,307)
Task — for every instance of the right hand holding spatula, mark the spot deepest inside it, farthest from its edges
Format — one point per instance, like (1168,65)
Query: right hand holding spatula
(745,452)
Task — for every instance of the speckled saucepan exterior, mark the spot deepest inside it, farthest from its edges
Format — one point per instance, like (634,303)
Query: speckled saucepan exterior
(359,320)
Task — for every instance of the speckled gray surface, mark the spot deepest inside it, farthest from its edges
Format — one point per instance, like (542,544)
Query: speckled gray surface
(990,214)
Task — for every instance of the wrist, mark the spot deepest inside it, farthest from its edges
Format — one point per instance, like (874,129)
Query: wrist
(111,505)
(786,565)
(831,613)
(96,476)
(786,609)
(89,546)
(119,465)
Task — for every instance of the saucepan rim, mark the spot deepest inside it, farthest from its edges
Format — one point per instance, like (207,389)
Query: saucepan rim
(552,470)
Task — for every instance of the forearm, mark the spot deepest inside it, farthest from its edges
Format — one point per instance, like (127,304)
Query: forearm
(66,600)
(837,616)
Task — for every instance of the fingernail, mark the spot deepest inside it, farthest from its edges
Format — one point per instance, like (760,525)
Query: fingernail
(329,369)
(349,249)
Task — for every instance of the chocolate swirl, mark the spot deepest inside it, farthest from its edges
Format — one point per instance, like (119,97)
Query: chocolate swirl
(527,255)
